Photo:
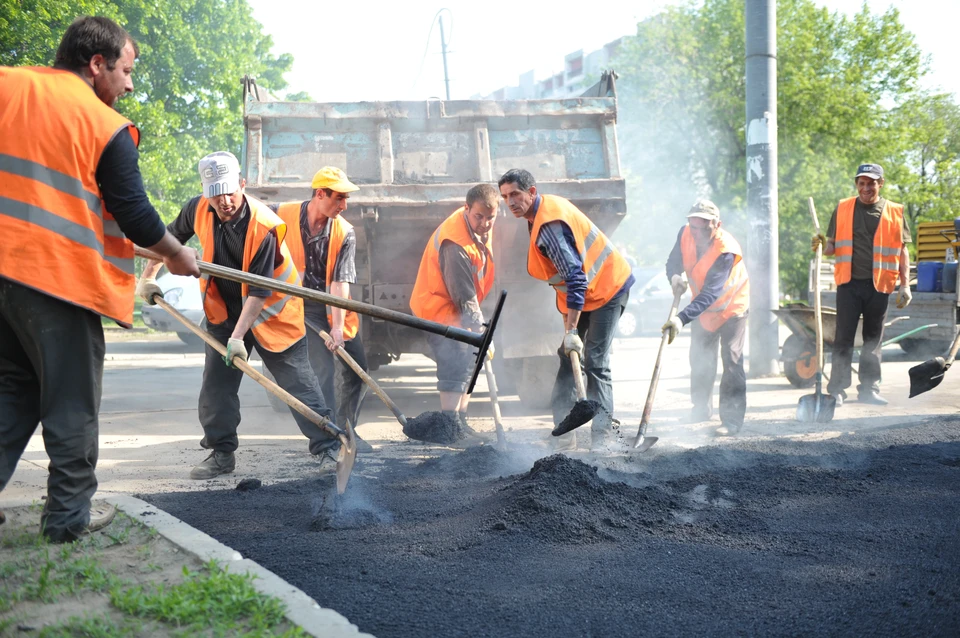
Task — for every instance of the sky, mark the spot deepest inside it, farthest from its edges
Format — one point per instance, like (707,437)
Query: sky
(379,50)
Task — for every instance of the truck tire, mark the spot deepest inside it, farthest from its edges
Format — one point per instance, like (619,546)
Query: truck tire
(800,361)
(535,385)
(275,403)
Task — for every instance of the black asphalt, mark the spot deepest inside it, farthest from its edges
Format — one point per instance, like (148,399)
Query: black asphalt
(852,536)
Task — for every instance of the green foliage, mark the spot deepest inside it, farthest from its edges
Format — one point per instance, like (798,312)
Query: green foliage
(188,98)
(848,92)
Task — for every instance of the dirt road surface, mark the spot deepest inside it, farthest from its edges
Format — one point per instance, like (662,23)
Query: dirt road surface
(788,529)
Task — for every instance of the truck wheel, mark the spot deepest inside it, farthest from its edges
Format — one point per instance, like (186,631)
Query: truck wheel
(799,361)
(275,403)
(536,381)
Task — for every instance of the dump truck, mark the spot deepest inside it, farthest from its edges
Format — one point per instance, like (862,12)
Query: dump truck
(414,162)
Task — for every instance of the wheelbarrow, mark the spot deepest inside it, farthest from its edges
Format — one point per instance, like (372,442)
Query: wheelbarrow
(799,352)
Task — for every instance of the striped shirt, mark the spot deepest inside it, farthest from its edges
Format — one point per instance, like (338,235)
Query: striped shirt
(228,242)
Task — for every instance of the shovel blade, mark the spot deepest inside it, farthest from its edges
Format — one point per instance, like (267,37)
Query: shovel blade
(643,443)
(346,459)
(926,376)
(583,412)
(816,408)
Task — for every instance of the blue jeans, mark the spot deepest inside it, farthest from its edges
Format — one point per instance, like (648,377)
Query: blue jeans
(597,329)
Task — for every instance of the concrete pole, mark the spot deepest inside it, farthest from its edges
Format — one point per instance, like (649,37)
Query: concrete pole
(762,242)
(443,46)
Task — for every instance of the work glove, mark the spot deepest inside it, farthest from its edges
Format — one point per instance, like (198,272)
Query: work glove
(904,297)
(817,240)
(572,343)
(235,348)
(490,352)
(678,284)
(672,328)
(146,288)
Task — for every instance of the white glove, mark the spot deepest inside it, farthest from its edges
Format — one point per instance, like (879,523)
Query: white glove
(672,328)
(572,343)
(904,297)
(146,288)
(678,284)
(235,348)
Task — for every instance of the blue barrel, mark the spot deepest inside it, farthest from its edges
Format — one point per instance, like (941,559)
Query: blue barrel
(929,276)
(950,276)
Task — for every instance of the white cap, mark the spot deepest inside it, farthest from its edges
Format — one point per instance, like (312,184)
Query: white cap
(219,174)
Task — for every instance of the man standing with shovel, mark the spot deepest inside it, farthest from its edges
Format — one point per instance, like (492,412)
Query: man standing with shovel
(240,232)
(713,262)
(592,282)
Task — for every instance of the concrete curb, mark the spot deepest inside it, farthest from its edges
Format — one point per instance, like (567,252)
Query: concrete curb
(302,610)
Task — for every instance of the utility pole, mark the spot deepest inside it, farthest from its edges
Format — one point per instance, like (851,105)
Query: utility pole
(763,263)
(443,45)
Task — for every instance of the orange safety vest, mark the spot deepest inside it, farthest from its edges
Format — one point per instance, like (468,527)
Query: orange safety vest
(280,324)
(339,227)
(606,269)
(430,298)
(57,237)
(735,298)
(887,244)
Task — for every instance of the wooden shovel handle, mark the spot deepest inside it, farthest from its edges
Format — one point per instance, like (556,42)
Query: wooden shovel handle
(497,419)
(577,376)
(817,311)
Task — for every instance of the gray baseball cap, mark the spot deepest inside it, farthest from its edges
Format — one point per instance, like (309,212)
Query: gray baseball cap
(704,209)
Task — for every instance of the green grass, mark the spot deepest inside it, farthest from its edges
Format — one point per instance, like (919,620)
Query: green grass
(91,627)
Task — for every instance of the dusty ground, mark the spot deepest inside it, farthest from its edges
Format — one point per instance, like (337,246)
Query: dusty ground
(855,535)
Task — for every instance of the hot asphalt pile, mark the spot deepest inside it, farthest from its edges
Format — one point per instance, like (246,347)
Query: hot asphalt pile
(858,535)
(433,427)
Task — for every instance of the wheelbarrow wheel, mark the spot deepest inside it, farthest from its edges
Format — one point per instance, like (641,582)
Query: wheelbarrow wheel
(799,361)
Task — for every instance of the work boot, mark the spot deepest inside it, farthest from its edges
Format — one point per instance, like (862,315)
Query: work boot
(101,515)
(214,465)
(3,517)
(467,430)
(701,413)
(362,446)
(839,397)
(327,459)
(727,429)
(872,397)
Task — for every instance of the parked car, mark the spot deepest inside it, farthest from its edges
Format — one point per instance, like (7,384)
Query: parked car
(649,304)
(183,293)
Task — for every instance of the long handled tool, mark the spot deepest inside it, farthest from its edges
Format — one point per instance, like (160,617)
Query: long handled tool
(348,447)
(479,340)
(497,419)
(584,409)
(929,374)
(350,361)
(643,442)
(817,407)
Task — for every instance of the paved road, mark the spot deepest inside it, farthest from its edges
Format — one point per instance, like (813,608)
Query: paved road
(150,433)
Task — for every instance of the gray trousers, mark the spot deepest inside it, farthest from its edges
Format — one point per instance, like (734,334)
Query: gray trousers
(728,339)
(597,329)
(220,403)
(342,388)
(51,370)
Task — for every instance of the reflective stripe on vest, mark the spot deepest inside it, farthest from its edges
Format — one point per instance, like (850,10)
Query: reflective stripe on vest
(605,269)
(734,299)
(50,203)
(280,323)
(887,245)
(430,298)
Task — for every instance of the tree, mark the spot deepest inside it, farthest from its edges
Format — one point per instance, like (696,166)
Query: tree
(188,99)
(845,88)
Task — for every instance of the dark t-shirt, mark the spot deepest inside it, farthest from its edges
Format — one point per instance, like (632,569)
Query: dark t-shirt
(866,219)
(228,242)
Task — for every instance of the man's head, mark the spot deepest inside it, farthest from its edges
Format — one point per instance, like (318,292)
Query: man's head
(483,201)
(102,53)
(869,182)
(222,186)
(519,190)
(704,220)
(331,190)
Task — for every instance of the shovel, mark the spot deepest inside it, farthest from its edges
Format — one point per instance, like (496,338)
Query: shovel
(350,361)
(348,447)
(584,409)
(497,419)
(643,442)
(817,407)
(929,374)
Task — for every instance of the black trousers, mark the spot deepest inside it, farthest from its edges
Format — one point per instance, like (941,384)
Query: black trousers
(703,369)
(51,371)
(341,387)
(858,298)
(220,404)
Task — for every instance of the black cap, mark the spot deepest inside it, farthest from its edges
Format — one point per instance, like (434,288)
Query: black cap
(873,171)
